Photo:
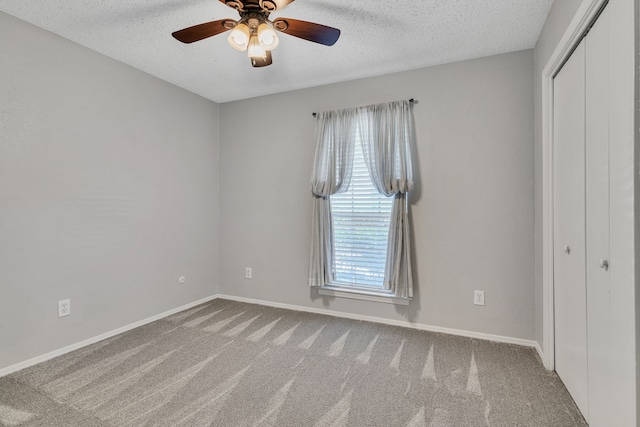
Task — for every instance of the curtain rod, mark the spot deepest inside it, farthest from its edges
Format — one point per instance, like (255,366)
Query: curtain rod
(411,101)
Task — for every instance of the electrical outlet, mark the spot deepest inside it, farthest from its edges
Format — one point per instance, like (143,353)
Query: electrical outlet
(248,273)
(478,297)
(64,307)
(182,280)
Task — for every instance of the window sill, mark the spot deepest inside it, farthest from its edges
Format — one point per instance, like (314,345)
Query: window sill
(361,294)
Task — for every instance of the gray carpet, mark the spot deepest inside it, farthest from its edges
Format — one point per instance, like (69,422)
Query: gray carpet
(226,363)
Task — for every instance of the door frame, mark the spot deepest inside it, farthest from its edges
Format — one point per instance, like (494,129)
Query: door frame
(580,24)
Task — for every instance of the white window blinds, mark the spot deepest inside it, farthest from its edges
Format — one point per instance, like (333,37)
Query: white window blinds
(361,218)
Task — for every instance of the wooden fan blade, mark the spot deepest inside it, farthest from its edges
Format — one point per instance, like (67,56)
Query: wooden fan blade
(236,4)
(282,3)
(202,31)
(262,62)
(273,5)
(308,30)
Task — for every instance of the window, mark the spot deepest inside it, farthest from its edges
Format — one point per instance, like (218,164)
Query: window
(361,218)
(360,239)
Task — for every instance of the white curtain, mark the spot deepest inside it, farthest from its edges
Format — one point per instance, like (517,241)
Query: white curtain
(386,132)
(387,137)
(335,140)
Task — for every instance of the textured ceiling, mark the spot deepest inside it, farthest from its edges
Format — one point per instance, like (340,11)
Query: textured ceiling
(378,37)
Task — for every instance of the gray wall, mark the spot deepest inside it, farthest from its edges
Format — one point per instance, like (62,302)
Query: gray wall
(108,193)
(472,209)
(560,15)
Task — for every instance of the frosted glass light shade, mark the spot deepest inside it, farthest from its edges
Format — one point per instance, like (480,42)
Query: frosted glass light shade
(267,37)
(239,37)
(255,50)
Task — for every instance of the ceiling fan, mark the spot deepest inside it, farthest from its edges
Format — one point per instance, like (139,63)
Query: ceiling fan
(254,32)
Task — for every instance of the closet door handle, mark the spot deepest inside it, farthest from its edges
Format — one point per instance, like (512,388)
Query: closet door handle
(567,250)
(604,264)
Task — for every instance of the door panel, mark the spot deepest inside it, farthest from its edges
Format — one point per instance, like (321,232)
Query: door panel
(597,202)
(569,228)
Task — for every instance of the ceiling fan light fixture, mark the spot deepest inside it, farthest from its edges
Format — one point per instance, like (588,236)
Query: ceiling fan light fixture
(239,37)
(267,37)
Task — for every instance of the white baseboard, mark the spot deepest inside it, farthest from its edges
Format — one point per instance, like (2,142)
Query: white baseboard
(402,323)
(38,359)
(540,352)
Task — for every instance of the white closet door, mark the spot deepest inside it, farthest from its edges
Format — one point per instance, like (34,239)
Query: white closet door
(597,180)
(569,228)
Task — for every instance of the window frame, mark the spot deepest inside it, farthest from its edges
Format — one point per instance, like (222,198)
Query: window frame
(361,291)
(364,295)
